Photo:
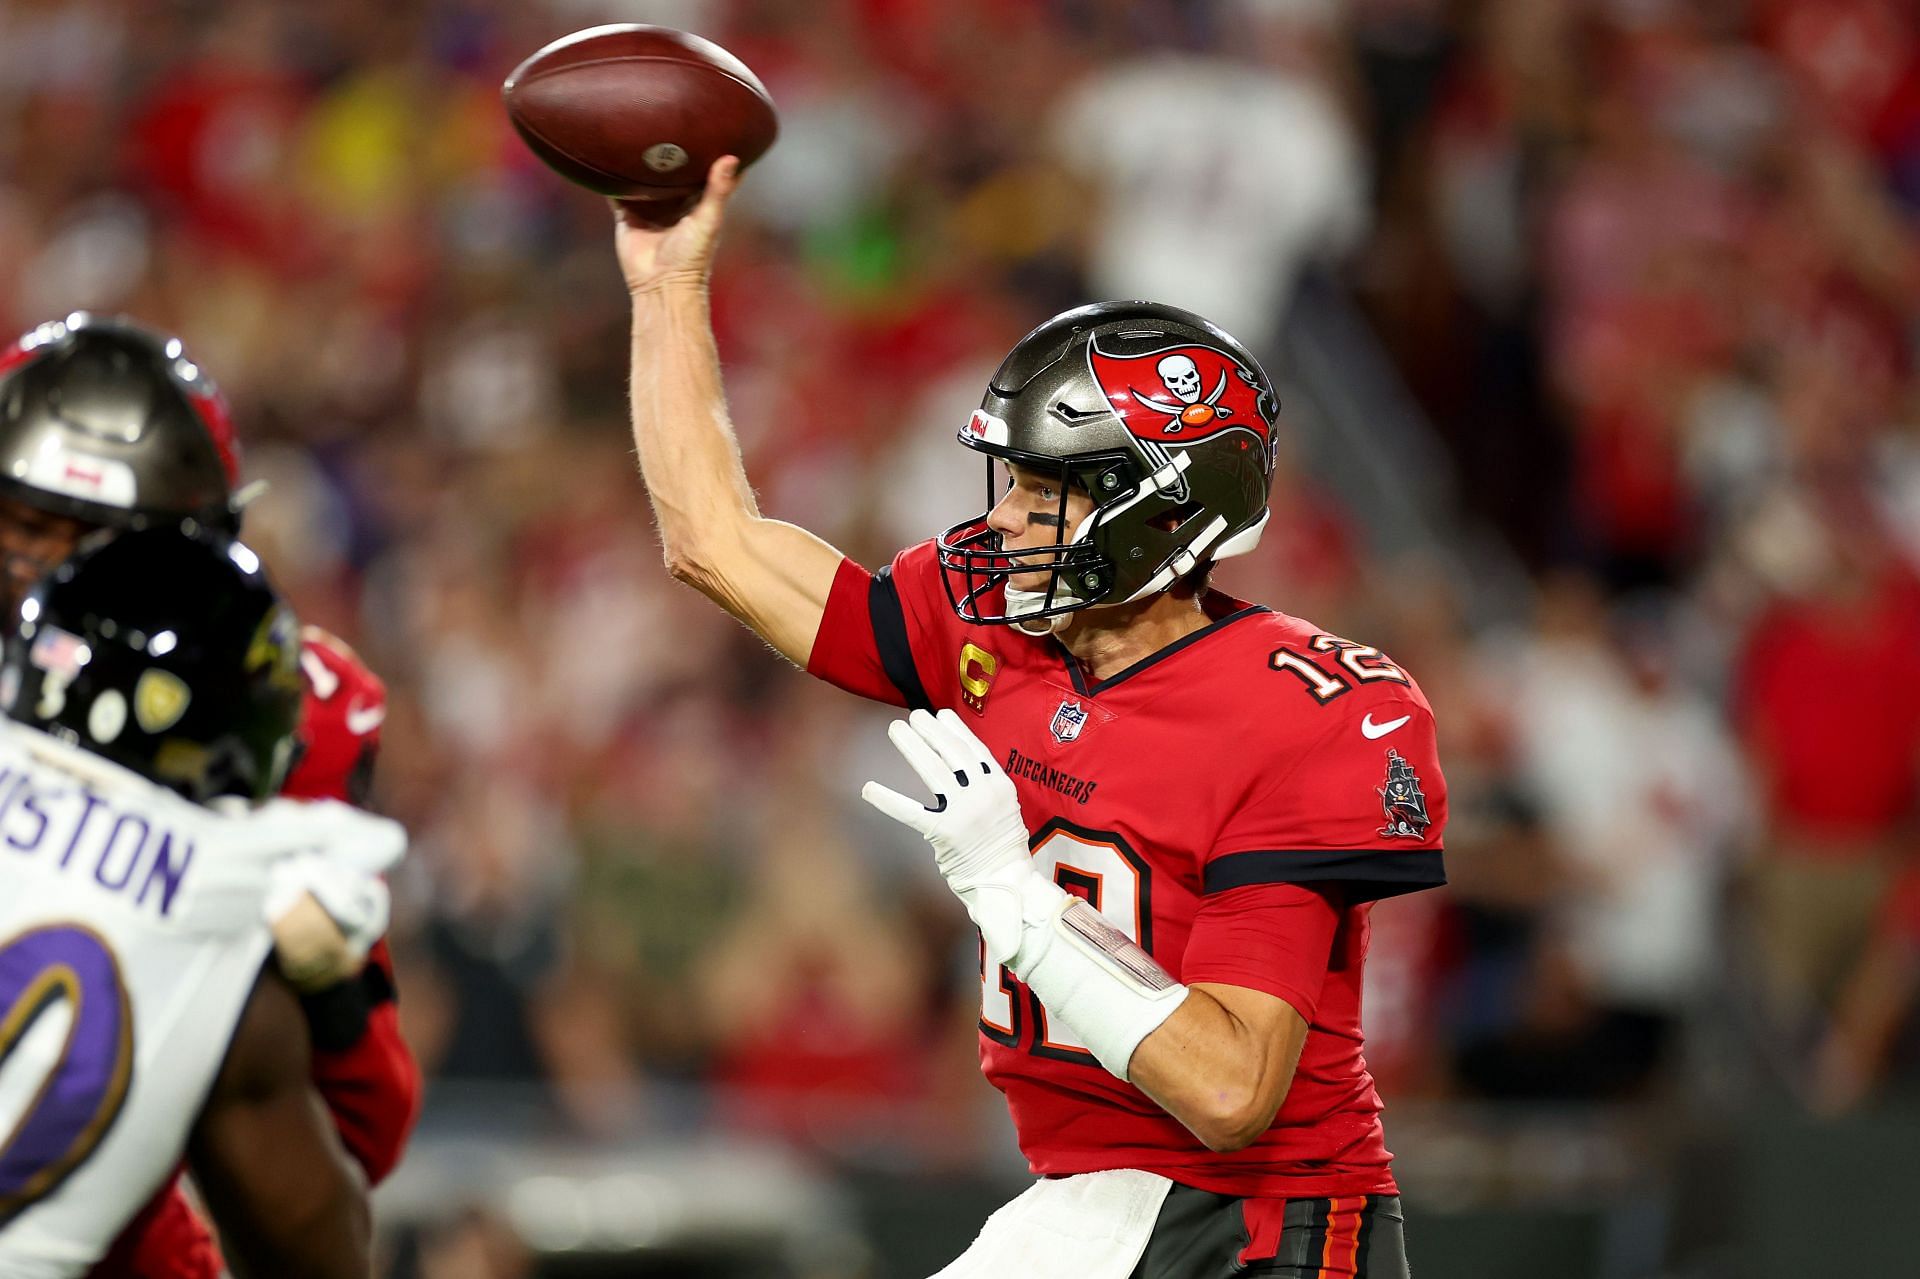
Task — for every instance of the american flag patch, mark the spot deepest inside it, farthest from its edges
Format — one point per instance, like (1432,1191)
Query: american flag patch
(59,652)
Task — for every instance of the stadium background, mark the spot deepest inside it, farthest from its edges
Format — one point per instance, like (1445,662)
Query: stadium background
(1595,321)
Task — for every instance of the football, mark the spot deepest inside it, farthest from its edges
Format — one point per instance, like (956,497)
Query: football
(639,113)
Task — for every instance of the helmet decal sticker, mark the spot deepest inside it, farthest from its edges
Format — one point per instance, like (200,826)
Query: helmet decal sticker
(159,700)
(1182,393)
(985,426)
(107,716)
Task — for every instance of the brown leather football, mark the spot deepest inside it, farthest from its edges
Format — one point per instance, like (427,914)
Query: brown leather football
(639,112)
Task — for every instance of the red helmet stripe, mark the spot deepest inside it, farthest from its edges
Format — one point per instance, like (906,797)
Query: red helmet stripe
(14,357)
(211,406)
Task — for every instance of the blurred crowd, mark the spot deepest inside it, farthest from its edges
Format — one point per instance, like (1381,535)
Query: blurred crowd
(1648,267)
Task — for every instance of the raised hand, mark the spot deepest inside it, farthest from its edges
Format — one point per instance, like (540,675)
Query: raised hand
(652,255)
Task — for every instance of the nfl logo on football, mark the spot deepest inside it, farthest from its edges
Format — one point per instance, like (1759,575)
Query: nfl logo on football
(1067,722)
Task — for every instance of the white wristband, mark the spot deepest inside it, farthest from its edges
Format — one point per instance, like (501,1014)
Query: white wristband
(1089,975)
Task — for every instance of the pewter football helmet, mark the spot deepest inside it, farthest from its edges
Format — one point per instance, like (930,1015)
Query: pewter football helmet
(106,421)
(1164,419)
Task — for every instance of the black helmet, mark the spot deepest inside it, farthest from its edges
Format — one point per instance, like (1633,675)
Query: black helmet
(1164,419)
(165,650)
(106,420)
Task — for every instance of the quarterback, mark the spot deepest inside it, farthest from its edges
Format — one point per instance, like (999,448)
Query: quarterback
(1168,811)
(105,423)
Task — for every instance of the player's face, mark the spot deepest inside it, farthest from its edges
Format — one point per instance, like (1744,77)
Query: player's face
(32,541)
(1029,514)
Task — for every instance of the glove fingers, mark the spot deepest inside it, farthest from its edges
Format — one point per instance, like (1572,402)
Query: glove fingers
(952,747)
(908,812)
(921,756)
(961,744)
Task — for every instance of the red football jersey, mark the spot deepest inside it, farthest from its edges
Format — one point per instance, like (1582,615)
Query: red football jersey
(364,1071)
(1256,769)
(340,719)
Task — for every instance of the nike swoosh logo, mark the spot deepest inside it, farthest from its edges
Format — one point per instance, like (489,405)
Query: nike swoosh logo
(1373,732)
(362,720)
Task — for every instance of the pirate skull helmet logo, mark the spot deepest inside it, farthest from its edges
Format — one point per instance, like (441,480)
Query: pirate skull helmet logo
(1184,395)
(1182,377)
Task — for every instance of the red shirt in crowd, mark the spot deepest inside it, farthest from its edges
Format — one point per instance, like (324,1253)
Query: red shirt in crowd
(1828,702)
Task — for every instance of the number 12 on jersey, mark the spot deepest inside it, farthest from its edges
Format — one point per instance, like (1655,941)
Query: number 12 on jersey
(1112,878)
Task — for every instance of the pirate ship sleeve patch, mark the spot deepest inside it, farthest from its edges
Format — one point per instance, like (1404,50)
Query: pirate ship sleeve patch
(1403,804)
(1362,805)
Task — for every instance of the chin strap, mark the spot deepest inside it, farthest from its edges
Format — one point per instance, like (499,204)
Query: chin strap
(1023,605)
(1169,480)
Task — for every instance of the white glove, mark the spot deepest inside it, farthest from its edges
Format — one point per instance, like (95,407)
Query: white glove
(325,917)
(1086,973)
(978,835)
(344,834)
(326,903)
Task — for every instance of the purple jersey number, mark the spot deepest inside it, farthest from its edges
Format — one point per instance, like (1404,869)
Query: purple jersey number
(82,1094)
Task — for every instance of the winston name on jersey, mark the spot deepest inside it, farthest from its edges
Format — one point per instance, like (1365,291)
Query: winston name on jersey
(131,933)
(1257,751)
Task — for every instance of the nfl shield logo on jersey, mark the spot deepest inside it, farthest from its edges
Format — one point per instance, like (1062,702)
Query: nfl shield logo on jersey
(1067,722)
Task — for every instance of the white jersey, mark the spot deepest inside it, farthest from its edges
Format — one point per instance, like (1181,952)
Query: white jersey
(132,930)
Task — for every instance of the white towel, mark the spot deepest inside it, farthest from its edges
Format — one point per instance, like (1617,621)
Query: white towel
(1091,1226)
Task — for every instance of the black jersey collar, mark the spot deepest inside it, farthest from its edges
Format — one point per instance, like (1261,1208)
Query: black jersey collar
(1093,688)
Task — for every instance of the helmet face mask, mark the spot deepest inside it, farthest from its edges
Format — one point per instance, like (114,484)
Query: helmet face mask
(978,561)
(1162,419)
